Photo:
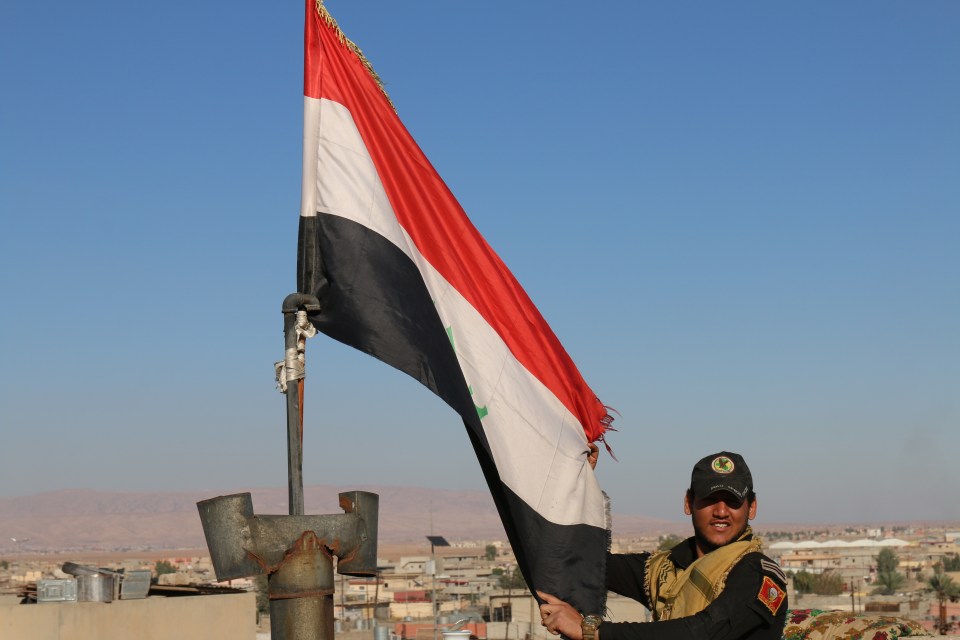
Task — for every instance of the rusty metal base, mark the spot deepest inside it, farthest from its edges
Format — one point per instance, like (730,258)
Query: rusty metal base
(301,592)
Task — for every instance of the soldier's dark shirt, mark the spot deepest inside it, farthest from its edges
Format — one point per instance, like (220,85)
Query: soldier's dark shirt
(738,613)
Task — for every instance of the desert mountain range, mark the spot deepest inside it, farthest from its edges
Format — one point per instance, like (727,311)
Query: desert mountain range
(81,519)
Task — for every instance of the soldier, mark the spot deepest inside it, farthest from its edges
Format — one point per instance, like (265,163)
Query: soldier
(715,585)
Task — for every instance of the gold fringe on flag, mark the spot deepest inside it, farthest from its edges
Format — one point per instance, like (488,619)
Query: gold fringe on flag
(350,44)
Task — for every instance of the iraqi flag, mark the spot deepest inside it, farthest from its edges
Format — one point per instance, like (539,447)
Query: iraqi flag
(403,275)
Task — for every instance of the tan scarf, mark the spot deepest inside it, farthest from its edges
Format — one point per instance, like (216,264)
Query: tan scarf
(674,594)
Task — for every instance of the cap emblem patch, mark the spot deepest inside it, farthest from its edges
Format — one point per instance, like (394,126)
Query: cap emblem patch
(722,464)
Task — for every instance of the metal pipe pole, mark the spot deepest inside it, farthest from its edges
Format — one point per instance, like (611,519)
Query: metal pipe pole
(433,587)
(295,372)
(294,421)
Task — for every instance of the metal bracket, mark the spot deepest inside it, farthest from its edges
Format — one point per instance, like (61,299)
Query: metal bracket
(296,554)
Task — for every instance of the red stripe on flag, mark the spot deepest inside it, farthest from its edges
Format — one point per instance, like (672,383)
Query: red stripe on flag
(436,222)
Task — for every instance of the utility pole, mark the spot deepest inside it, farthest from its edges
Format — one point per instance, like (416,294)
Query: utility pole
(509,607)
(376,598)
(435,541)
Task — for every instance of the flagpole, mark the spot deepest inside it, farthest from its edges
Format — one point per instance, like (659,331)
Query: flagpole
(295,371)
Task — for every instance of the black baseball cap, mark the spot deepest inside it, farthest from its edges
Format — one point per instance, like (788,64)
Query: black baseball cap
(722,471)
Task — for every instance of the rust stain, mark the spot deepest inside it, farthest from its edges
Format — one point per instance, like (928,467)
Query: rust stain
(309,541)
(260,561)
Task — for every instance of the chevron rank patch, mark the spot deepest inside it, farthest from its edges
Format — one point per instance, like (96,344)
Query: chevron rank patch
(771,595)
(773,568)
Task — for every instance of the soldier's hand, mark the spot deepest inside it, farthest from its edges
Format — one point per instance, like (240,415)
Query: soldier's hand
(559,617)
(594,455)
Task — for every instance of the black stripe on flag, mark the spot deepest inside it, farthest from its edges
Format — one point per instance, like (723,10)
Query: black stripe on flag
(373,298)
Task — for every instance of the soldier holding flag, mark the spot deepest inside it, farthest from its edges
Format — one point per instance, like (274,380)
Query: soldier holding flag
(717,584)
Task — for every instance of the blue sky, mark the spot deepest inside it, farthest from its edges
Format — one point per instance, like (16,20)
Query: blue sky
(740,219)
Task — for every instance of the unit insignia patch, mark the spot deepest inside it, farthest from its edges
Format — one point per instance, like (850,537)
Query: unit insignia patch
(771,595)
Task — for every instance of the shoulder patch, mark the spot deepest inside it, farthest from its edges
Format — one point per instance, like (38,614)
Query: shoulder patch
(773,569)
(771,595)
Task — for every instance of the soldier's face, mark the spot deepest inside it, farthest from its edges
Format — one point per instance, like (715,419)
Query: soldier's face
(718,519)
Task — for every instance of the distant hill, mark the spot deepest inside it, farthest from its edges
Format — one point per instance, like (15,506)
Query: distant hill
(80,519)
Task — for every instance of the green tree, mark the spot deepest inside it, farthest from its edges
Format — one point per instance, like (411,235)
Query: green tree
(828,583)
(163,567)
(951,562)
(945,587)
(888,583)
(803,582)
(887,561)
(491,552)
(512,579)
(668,542)
(4,565)
(889,580)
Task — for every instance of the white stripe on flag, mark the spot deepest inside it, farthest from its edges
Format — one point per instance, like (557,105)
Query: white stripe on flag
(537,444)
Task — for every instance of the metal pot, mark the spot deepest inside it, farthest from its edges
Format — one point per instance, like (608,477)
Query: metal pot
(95,587)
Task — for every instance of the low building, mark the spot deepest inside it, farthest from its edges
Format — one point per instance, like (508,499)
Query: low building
(230,617)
